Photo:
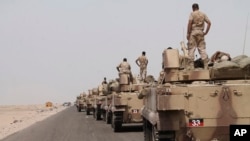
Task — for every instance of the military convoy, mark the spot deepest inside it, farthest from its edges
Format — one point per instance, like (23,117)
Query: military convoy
(198,104)
(117,103)
(183,105)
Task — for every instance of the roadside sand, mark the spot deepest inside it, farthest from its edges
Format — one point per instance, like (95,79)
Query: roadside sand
(14,118)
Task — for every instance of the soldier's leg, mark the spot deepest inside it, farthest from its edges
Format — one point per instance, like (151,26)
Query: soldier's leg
(131,78)
(191,49)
(141,74)
(202,52)
(144,74)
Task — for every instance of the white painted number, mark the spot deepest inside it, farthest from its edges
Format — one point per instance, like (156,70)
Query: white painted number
(196,122)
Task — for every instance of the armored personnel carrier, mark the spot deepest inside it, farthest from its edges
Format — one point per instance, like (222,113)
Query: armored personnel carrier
(106,111)
(81,102)
(90,102)
(125,107)
(99,99)
(197,104)
(111,87)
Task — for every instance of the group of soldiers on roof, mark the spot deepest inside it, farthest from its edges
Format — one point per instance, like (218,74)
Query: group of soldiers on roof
(196,33)
(141,61)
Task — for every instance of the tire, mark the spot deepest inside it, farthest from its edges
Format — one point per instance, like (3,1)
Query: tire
(87,111)
(108,117)
(104,115)
(98,116)
(117,126)
(98,113)
(116,121)
(79,109)
(147,129)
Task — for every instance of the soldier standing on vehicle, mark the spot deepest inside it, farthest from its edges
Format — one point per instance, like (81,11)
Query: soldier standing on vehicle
(124,68)
(104,81)
(104,86)
(195,35)
(142,62)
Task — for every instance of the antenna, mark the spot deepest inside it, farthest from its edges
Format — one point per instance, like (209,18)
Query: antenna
(183,35)
(245,36)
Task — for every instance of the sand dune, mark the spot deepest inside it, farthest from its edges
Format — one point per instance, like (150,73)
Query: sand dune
(14,118)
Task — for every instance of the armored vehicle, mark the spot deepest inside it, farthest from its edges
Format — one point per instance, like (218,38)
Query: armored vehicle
(90,102)
(111,87)
(81,102)
(106,111)
(197,104)
(125,107)
(99,99)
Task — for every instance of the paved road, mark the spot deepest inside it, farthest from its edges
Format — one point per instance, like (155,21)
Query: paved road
(70,125)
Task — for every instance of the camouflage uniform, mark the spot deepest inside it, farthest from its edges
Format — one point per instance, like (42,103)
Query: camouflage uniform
(124,67)
(143,62)
(197,35)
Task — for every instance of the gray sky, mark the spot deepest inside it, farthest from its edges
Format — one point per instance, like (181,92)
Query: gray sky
(52,50)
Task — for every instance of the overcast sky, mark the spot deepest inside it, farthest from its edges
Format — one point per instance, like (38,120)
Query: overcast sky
(52,50)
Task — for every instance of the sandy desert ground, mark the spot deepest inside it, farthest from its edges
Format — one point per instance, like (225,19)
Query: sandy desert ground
(14,118)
